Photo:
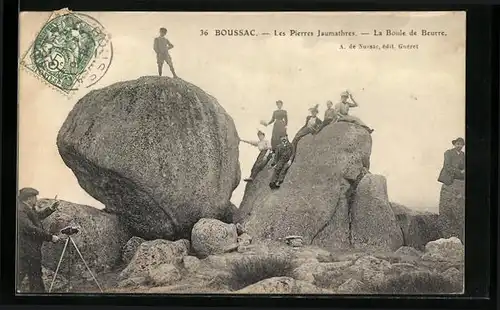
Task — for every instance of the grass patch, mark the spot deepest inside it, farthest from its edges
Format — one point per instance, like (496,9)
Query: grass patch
(417,282)
(254,269)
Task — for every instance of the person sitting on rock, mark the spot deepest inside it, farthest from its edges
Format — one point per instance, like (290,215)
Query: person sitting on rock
(281,162)
(330,115)
(342,111)
(263,158)
(454,163)
(161,47)
(312,126)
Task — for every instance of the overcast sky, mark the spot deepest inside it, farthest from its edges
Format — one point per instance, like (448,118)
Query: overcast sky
(415,100)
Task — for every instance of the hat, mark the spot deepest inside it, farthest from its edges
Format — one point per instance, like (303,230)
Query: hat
(458,140)
(315,108)
(260,132)
(344,94)
(27,192)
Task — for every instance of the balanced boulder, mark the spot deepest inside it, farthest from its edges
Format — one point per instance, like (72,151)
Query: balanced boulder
(452,209)
(159,152)
(319,190)
(100,238)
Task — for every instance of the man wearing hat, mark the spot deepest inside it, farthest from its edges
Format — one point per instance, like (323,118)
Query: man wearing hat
(281,162)
(31,236)
(265,150)
(342,109)
(312,126)
(454,163)
(330,115)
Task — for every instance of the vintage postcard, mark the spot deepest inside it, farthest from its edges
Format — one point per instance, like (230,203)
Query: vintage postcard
(241,153)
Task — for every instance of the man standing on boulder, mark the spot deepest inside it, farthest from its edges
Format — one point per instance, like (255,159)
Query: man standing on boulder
(161,47)
(31,236)
(281,162)
(342,109)
(264,155)
(454,163)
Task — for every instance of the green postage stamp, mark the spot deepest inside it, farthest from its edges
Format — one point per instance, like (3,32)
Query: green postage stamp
(72,51)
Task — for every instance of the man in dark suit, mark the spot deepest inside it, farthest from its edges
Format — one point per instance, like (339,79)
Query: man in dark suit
(312,126)
(454,163)
(281,162)
(31,236)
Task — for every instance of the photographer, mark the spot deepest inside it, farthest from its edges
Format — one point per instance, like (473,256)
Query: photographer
(31,236)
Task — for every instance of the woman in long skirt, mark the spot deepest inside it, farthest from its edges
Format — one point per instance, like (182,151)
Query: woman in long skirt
(280,120)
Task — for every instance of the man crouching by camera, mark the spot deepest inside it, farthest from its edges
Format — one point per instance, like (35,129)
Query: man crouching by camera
(31,236)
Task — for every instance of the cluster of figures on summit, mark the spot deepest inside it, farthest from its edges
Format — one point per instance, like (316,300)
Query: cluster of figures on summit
(281,152)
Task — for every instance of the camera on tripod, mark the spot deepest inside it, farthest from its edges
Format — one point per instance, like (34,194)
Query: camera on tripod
(70,230)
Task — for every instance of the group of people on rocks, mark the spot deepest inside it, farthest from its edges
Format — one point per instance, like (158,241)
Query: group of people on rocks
(281,150)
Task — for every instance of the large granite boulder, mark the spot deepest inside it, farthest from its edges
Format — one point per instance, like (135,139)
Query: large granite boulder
(418,228)
(373,223)
(452,210)
(159,152)
(100,239)
(314,200)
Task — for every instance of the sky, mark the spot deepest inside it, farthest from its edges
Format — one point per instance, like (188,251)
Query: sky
(414,99)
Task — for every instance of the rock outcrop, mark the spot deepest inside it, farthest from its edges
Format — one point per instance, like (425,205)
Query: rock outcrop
(318,199)
(373,223)
(159,152)
(444,250)
(418,228)
(100,239)
(452,209)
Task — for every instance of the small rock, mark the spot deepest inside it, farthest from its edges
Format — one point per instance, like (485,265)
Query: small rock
(165,274)
(151,254)
(450,249)
(132,282)
(246,249)
(408,251)
(191,263)
(403,267)
(324,258)
(302,287)
(130,248)
(211,236)
(294,241)
(351,286)
(240,229)
(276,285)
(244,239)
(453,275)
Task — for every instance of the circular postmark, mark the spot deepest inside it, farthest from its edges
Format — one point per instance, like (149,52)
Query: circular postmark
(71,51)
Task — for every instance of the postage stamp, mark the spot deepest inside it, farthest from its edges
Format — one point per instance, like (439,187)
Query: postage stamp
(72,51)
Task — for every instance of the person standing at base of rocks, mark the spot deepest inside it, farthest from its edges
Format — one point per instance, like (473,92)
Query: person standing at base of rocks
(342,111)
(161,47)
(280,120)
(31,237)
(312,126)
(454,163)
(265,149)
(330,115)
(281,162)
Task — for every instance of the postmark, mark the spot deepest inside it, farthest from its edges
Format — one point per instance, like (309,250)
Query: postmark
(72,51)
